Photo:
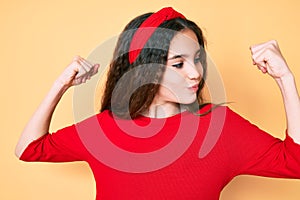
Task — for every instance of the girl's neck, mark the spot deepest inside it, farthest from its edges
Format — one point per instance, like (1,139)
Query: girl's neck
(163,110)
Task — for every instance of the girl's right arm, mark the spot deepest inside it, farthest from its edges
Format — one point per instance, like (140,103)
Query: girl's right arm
(78,71)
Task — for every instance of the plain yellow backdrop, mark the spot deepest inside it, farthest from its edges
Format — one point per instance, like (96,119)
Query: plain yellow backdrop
(39,38)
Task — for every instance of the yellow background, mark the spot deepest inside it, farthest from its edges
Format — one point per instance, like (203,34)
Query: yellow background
(39,38)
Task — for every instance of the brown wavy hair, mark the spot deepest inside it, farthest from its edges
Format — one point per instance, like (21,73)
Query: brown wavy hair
(131,88)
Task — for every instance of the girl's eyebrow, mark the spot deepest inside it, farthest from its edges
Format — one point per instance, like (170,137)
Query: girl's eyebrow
(176,56)
(198,51)
(182,55)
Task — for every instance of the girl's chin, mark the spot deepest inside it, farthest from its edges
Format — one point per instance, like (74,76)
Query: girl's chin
(188,100)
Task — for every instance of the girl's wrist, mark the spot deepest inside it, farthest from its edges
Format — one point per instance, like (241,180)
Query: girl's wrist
(285,79)
(60,87)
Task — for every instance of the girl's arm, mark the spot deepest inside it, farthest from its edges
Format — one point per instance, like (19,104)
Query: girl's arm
(268,58)
(78,71)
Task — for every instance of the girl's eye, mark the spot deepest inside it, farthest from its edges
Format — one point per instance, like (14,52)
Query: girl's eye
(197,60)
(178,65)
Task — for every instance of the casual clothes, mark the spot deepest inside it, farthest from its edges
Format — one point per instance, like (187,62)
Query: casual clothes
(223,145)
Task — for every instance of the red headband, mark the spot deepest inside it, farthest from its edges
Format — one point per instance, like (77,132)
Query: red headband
(144,32)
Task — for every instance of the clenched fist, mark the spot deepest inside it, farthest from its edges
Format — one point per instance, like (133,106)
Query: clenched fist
(77,72)
(268,58)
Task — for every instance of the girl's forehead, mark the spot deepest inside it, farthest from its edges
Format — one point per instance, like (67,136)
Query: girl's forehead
(184,42)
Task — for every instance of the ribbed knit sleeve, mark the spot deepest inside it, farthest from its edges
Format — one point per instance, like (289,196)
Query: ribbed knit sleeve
(255,152)
(61,146)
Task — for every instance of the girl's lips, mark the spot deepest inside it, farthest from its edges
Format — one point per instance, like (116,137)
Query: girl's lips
(194,88)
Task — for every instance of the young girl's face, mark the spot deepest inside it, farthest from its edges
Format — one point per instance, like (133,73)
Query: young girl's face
(183,71)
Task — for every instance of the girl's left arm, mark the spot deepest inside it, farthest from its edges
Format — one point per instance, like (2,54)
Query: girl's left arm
(268,58)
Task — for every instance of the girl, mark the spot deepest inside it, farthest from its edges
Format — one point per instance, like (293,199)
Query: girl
(155,137)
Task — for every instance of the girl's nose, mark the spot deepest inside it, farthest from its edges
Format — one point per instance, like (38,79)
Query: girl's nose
(192,72)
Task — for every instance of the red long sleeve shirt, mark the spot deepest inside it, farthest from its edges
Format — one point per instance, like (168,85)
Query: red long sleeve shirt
(185,156)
